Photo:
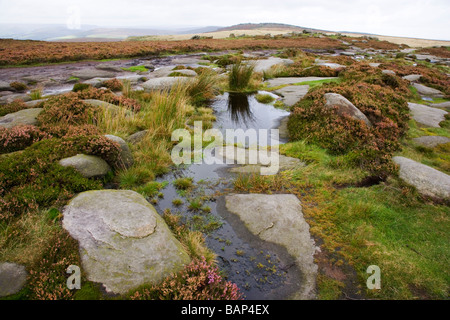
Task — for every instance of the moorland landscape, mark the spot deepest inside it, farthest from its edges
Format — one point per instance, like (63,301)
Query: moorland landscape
(87,175)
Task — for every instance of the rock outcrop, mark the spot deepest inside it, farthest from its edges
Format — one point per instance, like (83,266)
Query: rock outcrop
(88,166)
(427,116)
(123,241)
(22,117)
(427,181)
(345,107)
(279,219)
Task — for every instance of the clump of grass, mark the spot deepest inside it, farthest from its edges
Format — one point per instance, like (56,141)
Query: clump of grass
(36,94)
(195,204)
(177,74)
(183,183)
(18,86)
(177,202)
(202,88)
(136,176)
(151,189)
(264,98)
(113,84)
(240,76)
(80,87)
(193,241)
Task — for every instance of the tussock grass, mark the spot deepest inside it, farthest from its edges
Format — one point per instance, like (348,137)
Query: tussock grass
(240,76)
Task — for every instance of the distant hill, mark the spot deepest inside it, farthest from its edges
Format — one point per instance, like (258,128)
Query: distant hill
(254,26)
(60,32)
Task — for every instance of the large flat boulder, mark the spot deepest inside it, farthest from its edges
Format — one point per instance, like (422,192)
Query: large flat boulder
(427,116)
(4,86)
(90,73)
(292,94)
(15,96)
(22,117)
(266,64)
(163,83)
(431,141)
(428,181)
(123,241)
(345,107)
(107,106)
(254,160)
(279,219)
(88,166)
(427,91)
(292,80)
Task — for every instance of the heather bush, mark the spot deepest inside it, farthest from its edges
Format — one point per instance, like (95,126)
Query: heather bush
(77,87)
(19,137)
(431,76)
(34,179)
(113,84)
(18,86)
(197,281)
(14,106)
(62,112)
(370,148)
(108,96)
(47,277)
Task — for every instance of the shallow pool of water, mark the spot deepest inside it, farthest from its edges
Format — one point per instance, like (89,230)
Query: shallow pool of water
(261,270)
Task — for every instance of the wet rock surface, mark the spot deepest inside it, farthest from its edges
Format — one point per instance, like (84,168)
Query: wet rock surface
(279,219)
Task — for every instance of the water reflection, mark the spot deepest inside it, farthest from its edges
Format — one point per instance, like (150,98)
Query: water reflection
(239,109)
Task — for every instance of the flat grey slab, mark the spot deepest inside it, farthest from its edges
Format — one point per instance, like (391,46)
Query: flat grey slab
(22,117)
(428,181)
(86,74)
(292,94)
(291,80)
(279,219)
(266,64)
(431,141)
(163,83)
(427,91)
(425,115)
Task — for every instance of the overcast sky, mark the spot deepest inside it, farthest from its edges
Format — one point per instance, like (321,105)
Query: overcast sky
(413,18)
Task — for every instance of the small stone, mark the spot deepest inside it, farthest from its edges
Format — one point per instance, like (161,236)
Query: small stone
(137,137)
(428,181)
(22,117)
(126,157)
(345,107)
(431,141)
(88,166)
(12,278)
(427,91)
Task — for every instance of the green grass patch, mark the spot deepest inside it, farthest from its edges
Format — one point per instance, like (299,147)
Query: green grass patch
(264,98)
(136,69)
